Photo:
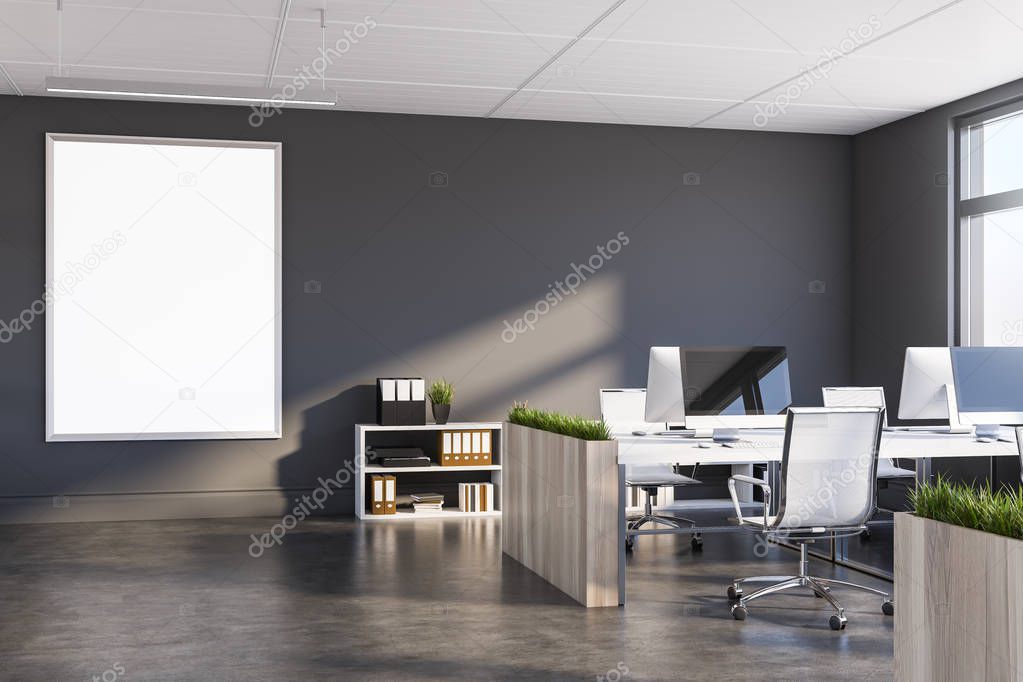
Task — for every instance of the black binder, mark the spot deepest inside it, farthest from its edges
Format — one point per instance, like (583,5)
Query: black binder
(387,406)
(404,401)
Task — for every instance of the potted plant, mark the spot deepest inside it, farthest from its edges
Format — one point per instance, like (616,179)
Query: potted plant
(959,583)
(441,394)
(560,509)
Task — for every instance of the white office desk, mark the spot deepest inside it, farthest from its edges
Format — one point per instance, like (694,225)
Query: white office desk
(921,446)
(918,445)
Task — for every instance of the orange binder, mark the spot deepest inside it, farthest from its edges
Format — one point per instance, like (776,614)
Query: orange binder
(382,494)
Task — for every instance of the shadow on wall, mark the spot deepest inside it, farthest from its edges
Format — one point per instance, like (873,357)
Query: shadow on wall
(326,446)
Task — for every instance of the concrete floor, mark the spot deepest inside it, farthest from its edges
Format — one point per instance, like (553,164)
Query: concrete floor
(184,600)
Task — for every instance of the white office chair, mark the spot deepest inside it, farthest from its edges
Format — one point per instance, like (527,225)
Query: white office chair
(623,411)
(888,471)
(829,463)
(866,396)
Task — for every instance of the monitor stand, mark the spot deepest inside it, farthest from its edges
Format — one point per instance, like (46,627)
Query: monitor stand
(954,426)
(675,429)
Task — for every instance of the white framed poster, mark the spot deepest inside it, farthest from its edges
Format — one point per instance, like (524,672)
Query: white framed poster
(163,288)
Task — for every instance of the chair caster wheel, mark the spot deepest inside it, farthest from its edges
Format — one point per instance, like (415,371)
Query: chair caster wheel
(630,544)
(733,593)
(697,542)
(888,607)
(739,612)
(838,622)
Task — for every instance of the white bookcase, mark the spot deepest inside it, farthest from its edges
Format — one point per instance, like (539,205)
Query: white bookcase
(373,434)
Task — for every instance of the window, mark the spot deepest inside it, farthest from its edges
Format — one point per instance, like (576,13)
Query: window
(990,215)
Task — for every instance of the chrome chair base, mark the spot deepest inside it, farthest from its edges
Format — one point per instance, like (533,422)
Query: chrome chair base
(649,517)
(673,521)
(821,588)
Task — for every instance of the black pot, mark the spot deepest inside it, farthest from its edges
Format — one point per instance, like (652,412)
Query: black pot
(441,413)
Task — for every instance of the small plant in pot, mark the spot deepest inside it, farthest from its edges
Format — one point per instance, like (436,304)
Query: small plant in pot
(441,393)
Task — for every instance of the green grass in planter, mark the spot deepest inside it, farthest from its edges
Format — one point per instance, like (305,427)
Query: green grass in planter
(566,425)
(998,512)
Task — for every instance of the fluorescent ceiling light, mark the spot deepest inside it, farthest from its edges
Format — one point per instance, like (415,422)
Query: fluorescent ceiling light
(101,87)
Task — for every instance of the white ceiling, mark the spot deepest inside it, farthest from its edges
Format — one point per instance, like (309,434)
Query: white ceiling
(657,62)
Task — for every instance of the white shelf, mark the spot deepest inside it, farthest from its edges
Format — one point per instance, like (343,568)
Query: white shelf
(407,514)
(434,467)
(363,468)
(453,426)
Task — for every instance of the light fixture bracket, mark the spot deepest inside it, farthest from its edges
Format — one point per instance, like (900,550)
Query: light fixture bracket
(102,88)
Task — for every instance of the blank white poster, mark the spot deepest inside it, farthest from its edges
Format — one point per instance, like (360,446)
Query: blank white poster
(163,289)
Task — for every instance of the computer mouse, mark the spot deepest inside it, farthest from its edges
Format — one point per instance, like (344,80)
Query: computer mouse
(639,433)
(702,444)
(985,439)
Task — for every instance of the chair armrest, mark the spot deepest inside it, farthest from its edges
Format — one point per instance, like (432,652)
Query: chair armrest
(753,481)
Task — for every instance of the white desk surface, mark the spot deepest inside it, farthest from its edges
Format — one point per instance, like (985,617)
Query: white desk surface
(768,447)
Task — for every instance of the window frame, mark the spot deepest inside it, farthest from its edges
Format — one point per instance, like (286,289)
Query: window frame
(966,207)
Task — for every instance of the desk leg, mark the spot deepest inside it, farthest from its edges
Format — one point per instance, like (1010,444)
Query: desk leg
(743,491)
(622,499)
(923,470)
(773,478)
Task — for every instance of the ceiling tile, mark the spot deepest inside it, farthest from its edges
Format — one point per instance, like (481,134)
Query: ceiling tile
(254,8)
(564,18)
(405,55)
(29,77)
(599,108)
(186,42)
(28,32)
(803,118)
(672,70)
(416,99)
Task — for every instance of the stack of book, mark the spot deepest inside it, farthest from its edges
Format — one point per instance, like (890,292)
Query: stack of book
(427,501)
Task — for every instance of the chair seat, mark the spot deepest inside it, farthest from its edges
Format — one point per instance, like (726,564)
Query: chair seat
(886,470)
(758,522)
(655,475)
(660,480)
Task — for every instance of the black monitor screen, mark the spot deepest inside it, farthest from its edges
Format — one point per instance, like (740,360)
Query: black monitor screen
(746,380)
(988,379)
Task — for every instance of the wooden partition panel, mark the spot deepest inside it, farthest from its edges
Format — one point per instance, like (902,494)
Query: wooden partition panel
(958,600)
(561,511)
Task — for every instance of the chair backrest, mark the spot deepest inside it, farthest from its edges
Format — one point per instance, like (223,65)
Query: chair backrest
(855,396)
(623,410)
(829,465)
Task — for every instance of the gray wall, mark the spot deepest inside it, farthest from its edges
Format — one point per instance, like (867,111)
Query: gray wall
(904,250)
(417,280)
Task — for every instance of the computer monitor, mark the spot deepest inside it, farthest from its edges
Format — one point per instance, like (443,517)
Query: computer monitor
(988,384)
(664,392)
(719,387)
(925,375)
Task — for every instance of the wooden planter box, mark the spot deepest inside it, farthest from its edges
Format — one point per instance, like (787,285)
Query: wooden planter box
(561,511)
(959,603)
